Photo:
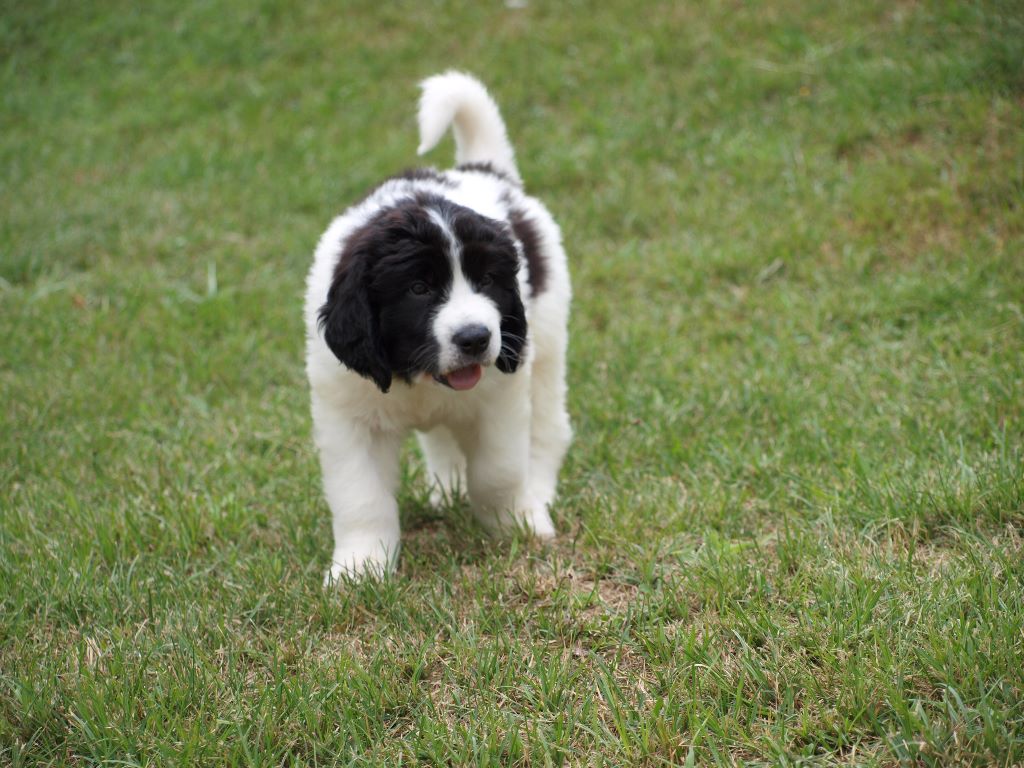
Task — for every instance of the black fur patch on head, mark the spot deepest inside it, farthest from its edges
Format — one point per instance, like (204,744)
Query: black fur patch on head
(526,232)
(491,263)
(391,274)
(346,319)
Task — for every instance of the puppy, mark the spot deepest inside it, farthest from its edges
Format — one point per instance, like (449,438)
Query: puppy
(439,303)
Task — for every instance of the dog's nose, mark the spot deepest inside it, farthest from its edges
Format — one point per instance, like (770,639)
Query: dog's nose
(472,339)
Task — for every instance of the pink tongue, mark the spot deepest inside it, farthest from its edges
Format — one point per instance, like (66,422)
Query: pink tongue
(465,378)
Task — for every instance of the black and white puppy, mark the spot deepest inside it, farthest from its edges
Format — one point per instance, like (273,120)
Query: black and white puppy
(440,303)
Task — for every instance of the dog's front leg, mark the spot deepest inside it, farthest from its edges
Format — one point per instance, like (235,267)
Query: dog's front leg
(360,471)
(497,475)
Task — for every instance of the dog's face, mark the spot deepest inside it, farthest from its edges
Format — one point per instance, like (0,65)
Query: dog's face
(426,287)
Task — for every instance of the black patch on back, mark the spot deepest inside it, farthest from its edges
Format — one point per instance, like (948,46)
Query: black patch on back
(526,232)
(489,169)
(409,174)
(422,174)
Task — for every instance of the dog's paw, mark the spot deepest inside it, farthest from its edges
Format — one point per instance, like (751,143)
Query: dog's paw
(446,495)
(354,563)
(533,521)
(538,522)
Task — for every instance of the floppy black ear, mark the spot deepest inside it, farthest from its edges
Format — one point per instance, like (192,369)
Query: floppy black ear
(513,336)
(349,325)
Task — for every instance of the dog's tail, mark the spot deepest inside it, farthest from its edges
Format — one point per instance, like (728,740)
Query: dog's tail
(460,100)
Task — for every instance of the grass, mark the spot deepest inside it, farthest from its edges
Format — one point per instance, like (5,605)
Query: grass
(792,521)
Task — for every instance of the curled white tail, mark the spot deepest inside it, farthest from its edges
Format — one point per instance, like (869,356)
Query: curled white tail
(459,100)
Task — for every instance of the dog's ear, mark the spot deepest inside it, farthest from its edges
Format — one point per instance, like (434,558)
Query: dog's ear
(513,336)
(347,320)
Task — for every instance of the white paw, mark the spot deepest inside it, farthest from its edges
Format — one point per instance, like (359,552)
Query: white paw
(535,521)
(447,493)
(439,496)
(538,522)
(354,562)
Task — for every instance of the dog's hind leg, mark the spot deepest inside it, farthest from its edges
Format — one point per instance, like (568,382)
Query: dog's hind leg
(446,464)
(550,430)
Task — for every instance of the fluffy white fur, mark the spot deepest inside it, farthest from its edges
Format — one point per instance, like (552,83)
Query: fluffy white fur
(460,101)
(502,441)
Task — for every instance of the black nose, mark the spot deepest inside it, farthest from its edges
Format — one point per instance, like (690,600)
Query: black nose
(472,339)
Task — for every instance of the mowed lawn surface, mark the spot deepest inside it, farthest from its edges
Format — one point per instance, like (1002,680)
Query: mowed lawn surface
(792,520)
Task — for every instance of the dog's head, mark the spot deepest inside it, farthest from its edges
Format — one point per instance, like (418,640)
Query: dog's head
(426,287)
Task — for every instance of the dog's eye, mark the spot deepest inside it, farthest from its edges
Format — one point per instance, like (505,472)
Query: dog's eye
(487,279)
(419,288)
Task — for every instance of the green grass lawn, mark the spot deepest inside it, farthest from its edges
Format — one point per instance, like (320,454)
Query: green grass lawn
(791,522)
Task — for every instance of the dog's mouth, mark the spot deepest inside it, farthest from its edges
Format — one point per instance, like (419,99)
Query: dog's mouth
(461,378)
